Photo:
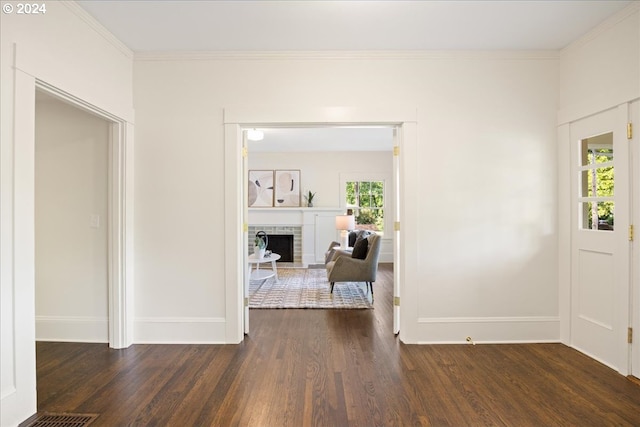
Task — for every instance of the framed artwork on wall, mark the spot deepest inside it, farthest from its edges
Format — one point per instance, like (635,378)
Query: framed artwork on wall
(260,188)
(287,188)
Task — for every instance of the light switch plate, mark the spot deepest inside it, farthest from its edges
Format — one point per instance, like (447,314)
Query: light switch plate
(94,221)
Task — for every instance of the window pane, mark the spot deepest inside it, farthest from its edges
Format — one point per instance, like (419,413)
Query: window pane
(597,215)
(377,192)
(351,193)
(598,182)
(596,149)
(367,201)
(370,219)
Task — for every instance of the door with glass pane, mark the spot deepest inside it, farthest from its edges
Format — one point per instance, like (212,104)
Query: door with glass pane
(600,247)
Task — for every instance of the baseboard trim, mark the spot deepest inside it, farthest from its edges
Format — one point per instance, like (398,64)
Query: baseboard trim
(180,330)
(485,330)
(72,329)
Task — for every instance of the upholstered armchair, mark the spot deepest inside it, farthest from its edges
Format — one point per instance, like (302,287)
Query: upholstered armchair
(353,236)
(331,251)
(343,267)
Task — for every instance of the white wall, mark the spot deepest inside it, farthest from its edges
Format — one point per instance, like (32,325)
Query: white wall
(71,254)
(320,171)
(600,70)
(486,182)
(66,50)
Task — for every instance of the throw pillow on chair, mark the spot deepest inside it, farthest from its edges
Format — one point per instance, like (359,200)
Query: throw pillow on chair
(360,249)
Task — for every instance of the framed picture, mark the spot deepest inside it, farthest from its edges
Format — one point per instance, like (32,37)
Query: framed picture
(260,188)
(287,188)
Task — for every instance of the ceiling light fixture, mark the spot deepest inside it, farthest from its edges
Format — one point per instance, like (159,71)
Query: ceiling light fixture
(255,135)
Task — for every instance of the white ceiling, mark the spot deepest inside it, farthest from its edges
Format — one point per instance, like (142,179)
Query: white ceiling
(324,139)
(322,25)
(250,25)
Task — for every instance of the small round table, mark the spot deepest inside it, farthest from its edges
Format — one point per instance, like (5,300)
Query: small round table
(258,274)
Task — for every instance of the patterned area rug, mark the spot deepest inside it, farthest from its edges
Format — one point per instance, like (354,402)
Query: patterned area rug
(306,288)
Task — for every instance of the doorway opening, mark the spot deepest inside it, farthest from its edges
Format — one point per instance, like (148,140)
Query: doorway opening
(118,220)
(236,210)
(326,160)
(71,218)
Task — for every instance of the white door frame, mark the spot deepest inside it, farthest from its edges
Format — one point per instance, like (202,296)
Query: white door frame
(120,216)
(235,206)
(634,150)
(397,248)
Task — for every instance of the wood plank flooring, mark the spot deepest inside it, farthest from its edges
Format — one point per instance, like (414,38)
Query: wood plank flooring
(333,368)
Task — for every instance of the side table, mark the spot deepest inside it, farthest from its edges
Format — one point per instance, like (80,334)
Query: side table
(258,274)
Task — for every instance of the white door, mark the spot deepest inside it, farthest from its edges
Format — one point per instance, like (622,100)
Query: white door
(600,245)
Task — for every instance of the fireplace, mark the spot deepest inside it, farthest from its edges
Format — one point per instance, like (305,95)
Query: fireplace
(282,244)
(285,240)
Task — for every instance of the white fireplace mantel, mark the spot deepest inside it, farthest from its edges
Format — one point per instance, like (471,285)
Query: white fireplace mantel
(288,216)
(318,227)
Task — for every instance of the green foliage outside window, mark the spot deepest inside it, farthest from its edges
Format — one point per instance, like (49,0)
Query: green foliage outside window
(366,198)
(600,183)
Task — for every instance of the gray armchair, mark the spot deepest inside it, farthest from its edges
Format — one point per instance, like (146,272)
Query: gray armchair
(353,236)
(331,251)
(344,268)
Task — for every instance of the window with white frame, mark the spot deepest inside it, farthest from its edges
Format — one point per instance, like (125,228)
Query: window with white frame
(367,200)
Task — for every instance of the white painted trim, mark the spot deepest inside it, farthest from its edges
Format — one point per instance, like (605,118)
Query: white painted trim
(295,116)
(72,329)
(564,232)
(235,209)
(634,357)
(19,399)
(507,319)
(604,26)
(98,27)
(454,330)
(236,215)
(409,222)
(418,55)
(181,330)
(533,341)
(121,253)
(180,319)
(120,237)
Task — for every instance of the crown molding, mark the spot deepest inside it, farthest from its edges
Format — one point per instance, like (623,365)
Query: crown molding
(77,10)
(603,27)
(344,55)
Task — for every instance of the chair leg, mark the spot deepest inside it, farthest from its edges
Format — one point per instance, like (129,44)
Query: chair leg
(332,283)
(371,288)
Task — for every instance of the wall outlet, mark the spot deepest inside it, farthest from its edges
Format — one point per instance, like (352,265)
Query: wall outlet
(94,221)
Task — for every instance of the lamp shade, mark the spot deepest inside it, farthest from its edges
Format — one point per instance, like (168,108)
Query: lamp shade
(345,222)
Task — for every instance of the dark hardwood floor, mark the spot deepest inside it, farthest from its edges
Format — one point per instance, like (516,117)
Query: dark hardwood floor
(333,368)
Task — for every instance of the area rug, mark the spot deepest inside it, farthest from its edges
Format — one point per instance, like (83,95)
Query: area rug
(306,288)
